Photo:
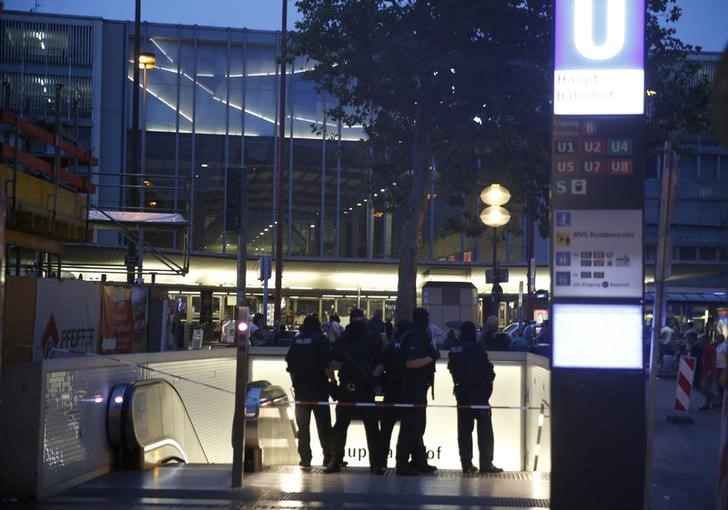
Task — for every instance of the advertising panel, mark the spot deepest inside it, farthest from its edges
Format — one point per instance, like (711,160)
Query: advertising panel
(721,321)
(117,323)
(67,317)
(599,57)
(124,320)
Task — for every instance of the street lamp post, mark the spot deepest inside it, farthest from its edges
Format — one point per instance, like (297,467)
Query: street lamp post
(146,61)
(495,215)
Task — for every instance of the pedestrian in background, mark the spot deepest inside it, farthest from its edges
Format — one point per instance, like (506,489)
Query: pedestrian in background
(488,331)
(376,325)
(518,341)
(721,362)
(450,340)
(708,374)
(307,363)
(493,340)
(334,331)
(666,335)
(529,333)
(473,375)
(256,330)
(389,329)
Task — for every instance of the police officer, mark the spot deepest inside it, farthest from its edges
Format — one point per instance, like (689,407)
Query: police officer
(473,375)
(375,324)
(418,367)
(308,359)
(357,356)
(392,386)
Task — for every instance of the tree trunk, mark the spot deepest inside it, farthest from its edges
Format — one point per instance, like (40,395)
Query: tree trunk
(411,233)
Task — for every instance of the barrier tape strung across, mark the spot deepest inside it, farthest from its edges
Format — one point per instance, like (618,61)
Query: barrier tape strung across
(401,405)
(685,378)
(136,365)
(290,402)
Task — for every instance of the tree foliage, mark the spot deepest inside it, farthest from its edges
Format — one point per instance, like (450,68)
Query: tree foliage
(462,86)
(680,103)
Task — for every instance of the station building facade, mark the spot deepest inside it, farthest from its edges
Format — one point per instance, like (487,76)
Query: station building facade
(209,110)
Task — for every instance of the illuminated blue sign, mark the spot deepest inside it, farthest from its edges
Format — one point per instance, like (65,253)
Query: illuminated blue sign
(599,57)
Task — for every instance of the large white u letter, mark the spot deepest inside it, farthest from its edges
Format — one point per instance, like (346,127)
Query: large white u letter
(584,29)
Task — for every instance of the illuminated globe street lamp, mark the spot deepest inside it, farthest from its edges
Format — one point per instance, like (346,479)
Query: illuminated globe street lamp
(495,215)
(146,61)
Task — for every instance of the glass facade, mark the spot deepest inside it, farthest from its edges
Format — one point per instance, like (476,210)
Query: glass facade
(41,54)
(212,85)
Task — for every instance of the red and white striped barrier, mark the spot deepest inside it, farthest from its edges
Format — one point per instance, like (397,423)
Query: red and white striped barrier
(685,377)
(537,448)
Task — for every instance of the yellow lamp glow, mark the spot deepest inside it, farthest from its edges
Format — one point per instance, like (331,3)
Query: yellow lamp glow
(147,61)
(495,216)
(495,194)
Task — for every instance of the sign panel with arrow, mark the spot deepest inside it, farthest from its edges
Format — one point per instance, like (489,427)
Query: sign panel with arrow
(598,253)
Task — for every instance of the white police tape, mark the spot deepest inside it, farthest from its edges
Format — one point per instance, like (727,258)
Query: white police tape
(136,365)
(403,405)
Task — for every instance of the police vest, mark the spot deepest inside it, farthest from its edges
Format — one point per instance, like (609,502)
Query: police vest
(466,367)
(305,356)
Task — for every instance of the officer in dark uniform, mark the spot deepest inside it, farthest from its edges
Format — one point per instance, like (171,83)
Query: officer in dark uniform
(419,358)
(473,376)
(308,359)
(357,355)
(392,386)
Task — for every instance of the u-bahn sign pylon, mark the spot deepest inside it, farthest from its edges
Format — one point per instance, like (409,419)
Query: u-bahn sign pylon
(597,270)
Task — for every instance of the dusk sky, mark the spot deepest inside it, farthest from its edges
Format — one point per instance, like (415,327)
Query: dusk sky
(704,22)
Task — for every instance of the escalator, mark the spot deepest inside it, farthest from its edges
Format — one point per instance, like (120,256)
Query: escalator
(270,429)
(148,424)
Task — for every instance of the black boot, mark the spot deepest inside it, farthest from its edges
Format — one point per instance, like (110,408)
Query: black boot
(334,466)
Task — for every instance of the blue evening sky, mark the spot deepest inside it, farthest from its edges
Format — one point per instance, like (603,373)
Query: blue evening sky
(704,22)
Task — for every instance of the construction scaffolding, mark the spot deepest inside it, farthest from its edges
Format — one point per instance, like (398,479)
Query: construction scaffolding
(51,187)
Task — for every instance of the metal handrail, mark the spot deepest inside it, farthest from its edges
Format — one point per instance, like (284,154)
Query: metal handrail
(173,266)
(136,208)
(147,175)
